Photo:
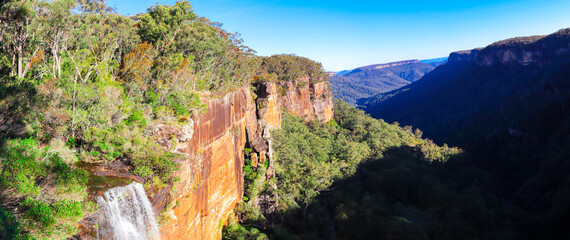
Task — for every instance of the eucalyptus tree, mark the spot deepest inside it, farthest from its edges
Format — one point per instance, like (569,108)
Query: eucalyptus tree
(54,24)
(17,17)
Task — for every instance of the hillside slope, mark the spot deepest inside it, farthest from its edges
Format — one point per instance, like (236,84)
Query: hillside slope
(507,105)
(367,81)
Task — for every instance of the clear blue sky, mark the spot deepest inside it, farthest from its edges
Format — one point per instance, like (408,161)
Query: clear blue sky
(348,34)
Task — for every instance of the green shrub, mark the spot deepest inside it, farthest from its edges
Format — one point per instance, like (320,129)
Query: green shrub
(124,141)
(58,218)
(40,212)
(10,227)
(249,173)
(43,176)
(25,164)
(142,171)
(65,175)
(184,103)
(163,113)
(21,168)
(68,208)
(235,231)
(248,213)
(136,117)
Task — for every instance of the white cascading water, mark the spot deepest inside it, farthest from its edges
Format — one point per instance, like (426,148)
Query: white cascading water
(128,214)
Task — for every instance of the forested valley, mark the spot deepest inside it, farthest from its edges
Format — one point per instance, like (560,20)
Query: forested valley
(80,86)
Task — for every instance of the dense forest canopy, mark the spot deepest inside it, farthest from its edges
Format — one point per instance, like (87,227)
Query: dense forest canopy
(81,83)
(317,192)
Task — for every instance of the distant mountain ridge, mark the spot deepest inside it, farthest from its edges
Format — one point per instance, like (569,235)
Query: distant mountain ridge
(533,53)
(507,104)
(385,65)
(367,81)
(435,61)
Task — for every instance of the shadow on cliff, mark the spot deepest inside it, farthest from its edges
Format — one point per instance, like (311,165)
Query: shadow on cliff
(401,196)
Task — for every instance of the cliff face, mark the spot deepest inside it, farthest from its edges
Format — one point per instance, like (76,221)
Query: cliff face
(311,101)
(211,177)
(461,56)
(537,50)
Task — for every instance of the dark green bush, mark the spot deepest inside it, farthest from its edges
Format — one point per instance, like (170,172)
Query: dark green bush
(65,175)
(10,227)
(236,231)
(40,212)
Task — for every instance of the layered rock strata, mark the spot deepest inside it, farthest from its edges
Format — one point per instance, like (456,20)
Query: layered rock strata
(210,177)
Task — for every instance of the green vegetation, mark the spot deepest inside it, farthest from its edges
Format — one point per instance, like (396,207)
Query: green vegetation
(81,84)
(287,67)
(513,121)
(10,227)
(253,176)
(79,81)
(315,167)
(27,168)
(54,190)
(236,231)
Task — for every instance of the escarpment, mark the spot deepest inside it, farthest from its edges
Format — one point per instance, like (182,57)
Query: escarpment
(210,177)
(538,50)
(532,50)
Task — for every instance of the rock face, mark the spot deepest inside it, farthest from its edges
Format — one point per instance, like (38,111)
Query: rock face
(462,56)
(322,101)
(537,50)
(311,101)
(211,177)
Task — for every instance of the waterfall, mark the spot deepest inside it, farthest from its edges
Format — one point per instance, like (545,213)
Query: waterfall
(127,214)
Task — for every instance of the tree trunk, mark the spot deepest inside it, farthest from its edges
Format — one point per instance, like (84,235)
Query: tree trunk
(30,63)
(58,67)
(55,63)
(13,65)
(20,60)
(4,24)
(3,30)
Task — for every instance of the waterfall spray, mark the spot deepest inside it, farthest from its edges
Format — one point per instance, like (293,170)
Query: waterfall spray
(128,214)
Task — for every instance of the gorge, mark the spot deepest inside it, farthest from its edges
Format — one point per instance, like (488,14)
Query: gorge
(164,125)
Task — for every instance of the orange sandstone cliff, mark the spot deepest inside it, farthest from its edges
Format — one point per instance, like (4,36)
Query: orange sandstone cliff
(210,177)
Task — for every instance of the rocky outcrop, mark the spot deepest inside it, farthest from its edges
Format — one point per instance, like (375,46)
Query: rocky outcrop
(322,101)
(211,178)
(268,104)
(311,101)
(463,56)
